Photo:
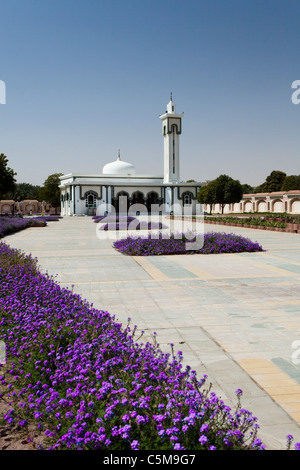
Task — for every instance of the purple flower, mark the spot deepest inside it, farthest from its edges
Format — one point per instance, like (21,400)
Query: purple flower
(177,446)
(135,445)
(23,422)
(204,428)
(202,439)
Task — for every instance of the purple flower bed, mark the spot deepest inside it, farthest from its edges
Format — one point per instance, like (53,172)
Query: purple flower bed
(141,225)
(84,382)
(113,218)
(9,225)
(48,218)
(214,242)
(123,222)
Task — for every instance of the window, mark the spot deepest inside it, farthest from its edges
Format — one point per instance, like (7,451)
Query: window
(90,200)
(187,198)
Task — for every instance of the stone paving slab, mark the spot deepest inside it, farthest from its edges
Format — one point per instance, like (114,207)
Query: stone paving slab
(236,317)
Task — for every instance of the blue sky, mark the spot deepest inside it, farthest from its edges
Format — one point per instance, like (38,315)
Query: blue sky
(85,78)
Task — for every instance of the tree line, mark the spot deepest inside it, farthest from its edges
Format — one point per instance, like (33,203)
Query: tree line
(10,189)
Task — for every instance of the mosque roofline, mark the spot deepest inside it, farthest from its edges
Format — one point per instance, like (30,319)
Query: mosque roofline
(149,183)
(109,176)
(123,177)
(132,183)
(135,176)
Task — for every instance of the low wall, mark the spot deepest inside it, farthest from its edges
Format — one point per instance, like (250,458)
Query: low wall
(276,202)
(25,207)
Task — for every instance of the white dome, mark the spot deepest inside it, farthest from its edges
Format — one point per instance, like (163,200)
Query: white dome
(118,167)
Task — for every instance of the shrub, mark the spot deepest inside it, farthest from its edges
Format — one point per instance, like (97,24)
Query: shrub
(259,221)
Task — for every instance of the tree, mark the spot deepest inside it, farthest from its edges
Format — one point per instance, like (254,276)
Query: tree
(206,194)
(247,189)
(227,191)
(24,191)
(7,177)
(291,182)
(50,192)
(260,188)
(274,181)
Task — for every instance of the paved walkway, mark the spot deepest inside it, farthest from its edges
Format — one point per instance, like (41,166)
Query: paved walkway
(236,317)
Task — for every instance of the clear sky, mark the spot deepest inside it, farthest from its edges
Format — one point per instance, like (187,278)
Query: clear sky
(85,78)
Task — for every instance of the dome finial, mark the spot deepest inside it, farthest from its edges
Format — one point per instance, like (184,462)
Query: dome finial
(119,158)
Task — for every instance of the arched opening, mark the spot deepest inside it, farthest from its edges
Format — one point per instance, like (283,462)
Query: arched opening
(90,202)
(152,201)
(187,198)
(277,205)
(261,206)
(90,199)
(121,202)
(137,203)
(295,206)
(137,198)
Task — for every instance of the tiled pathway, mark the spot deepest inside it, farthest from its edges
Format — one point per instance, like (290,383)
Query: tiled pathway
(236,317)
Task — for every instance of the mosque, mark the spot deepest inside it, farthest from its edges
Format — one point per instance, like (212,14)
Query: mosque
(120,189)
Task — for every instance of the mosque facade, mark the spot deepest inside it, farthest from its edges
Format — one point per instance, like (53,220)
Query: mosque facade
(119,189)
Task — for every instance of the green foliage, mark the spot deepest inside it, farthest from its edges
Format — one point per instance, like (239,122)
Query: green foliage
(50,192)
(247,189)
(259,189)
(24,191)
(271,221)
(291,182)
(223,190)
(227,190)
(7,177)
(274,181)
(206,194)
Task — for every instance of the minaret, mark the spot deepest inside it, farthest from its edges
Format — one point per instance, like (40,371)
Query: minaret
(171,129)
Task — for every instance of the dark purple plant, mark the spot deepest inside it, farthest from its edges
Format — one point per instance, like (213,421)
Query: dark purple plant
(113,218)
(128,225)
(9,225)
(213,242)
